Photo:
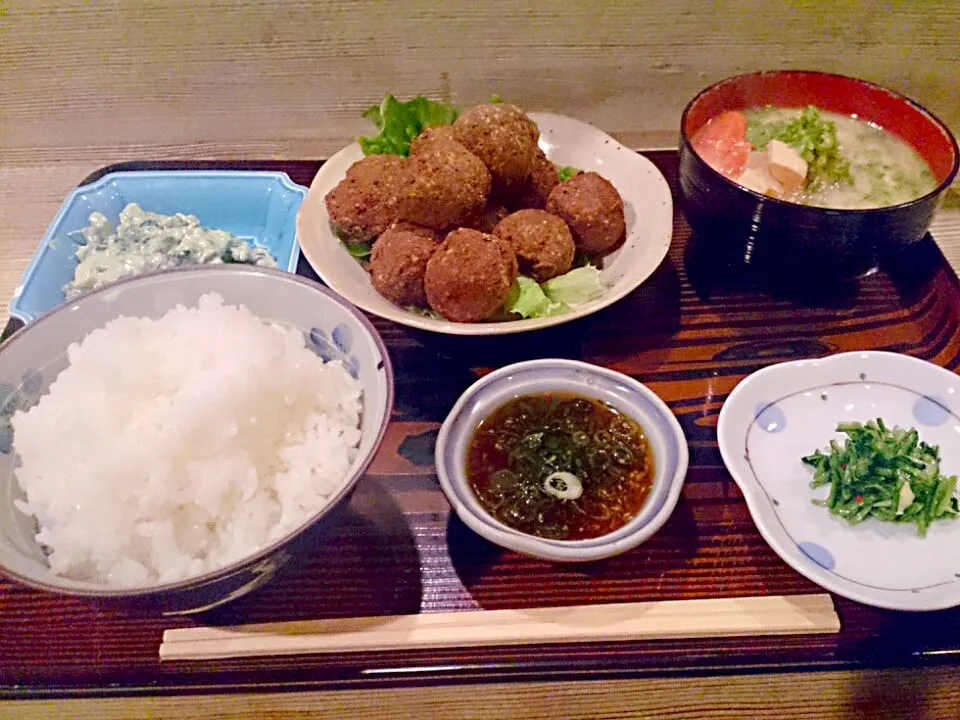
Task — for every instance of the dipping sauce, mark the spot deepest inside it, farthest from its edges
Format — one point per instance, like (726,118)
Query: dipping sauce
(560,466)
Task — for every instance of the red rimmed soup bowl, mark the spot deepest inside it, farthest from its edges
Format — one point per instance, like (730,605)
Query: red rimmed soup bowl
(781,235)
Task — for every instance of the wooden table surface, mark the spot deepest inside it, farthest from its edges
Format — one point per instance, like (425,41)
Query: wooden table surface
(829,693)
(84,85)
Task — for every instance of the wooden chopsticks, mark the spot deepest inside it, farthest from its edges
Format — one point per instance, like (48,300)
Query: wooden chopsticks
(726,617)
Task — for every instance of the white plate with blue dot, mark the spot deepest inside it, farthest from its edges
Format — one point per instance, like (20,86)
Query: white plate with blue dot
(783,412)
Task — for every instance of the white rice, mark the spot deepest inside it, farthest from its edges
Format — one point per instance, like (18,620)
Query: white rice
(175,446)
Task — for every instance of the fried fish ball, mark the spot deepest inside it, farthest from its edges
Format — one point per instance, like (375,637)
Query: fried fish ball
(503,137)
(492,213)
(417,230)
(469,276)
(544,177)
(432,134)
(398,263)
(366,201)
(593,209)
(542,243)
(447,185)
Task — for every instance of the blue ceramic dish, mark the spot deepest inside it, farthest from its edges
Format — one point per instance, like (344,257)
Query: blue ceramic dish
(259,207)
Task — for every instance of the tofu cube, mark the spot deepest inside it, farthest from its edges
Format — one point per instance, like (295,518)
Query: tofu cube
(786,166)
(758,179)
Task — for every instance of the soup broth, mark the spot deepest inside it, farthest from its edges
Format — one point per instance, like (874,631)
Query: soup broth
(813,157)
(560,466)
(884,170)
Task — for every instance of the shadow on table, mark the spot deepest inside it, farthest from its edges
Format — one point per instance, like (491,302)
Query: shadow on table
(912,268)
(431,370)
(717,270)
(367,565)
(497,577)
(643,319)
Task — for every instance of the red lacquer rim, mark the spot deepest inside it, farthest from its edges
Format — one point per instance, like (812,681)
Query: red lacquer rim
(841,94)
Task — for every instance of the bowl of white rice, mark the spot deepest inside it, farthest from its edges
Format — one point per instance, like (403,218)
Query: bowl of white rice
(171,439)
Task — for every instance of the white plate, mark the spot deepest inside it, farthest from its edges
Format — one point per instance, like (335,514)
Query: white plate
(646,197)
(786,411)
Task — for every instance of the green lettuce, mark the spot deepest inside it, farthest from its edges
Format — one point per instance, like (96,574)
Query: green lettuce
(400,122)
(575,287)
(528,300)
(566,173)
(810,134)
(360,251)
(425,312)
(554,297)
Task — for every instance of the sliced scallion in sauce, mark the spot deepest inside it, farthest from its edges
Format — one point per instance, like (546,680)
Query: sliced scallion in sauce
(560,466)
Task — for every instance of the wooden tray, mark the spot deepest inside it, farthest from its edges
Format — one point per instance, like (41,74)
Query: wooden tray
(691,334)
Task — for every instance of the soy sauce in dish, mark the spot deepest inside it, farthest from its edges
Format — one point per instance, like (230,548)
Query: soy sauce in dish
(560,466)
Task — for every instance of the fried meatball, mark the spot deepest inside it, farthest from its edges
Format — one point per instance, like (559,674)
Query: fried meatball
(593,209)
(542,243)
(366,201)
(430,134)
(536,189)
(398,263)
(503,137)
(469,276)
(492,213)
(447,185)
(416,229)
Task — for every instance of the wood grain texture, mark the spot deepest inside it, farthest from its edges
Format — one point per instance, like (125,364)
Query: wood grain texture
(86,84)
(631,622)
(871,695)
(692,336)
(291,77)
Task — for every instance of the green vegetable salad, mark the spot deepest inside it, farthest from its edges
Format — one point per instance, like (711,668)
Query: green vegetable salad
(885,473)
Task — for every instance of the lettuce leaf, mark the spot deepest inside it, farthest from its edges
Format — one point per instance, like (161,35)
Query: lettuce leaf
(566,173)
(360,251)
(528,300)
(576,287)
(400,122)
(425,312)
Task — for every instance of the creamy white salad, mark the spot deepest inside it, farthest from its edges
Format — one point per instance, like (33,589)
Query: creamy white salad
(147,242)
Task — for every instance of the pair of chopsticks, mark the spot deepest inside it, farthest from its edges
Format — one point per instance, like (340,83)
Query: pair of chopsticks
(671,619)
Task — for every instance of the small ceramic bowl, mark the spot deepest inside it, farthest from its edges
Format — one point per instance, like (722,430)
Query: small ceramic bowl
(538,376)
(789,241)
(33,357)
(258,207)
(781,413)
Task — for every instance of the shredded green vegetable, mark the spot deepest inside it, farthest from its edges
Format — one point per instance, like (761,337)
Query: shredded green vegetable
(566,173)
(884,473)
(810,134)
